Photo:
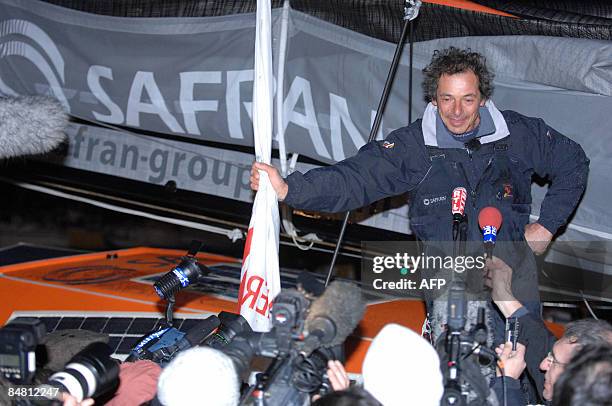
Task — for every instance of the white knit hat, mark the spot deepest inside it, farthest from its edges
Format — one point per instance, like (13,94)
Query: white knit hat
(401,368)
(199,376)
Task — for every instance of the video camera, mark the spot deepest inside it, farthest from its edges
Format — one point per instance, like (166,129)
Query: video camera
(90,373)
(305,335)
(163,345)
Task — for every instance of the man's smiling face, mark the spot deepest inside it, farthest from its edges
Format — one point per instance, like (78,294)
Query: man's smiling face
(458,100)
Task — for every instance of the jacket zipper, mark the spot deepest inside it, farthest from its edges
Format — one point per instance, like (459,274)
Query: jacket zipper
(475,189)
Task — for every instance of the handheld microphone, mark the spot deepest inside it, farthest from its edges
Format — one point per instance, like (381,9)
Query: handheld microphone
(490,220)
(333,316)
(30,125)
(458,204)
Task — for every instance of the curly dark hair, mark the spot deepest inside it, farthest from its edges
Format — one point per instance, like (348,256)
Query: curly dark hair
(453,60)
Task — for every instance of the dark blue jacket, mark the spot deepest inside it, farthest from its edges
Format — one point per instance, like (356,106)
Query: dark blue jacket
(403,163)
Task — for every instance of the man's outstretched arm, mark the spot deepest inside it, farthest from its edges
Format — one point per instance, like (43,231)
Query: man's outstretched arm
(533,334)
(379,170)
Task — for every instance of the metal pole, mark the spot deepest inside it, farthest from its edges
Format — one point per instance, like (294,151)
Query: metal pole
(409,15)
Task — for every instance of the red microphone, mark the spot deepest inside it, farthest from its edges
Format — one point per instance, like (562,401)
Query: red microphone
(490,220)
(458,203)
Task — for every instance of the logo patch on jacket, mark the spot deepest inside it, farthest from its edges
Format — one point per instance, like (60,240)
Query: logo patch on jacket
(433,200)
(507,190)
(388,144)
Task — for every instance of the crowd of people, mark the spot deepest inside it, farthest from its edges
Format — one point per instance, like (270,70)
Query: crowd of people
(402,368)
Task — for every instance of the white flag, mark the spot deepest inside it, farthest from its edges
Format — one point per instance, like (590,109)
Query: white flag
(260,278)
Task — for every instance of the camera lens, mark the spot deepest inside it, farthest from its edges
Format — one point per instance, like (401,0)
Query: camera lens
(89,373)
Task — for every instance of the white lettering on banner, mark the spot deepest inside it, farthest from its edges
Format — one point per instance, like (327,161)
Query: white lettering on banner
(188,105)
(300,88)
(232,101)
(94,74)
(145,81)
(145,96)
(145,159)
(193,167)
(338,115)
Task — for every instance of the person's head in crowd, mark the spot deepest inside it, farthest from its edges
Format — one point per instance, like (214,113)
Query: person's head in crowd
(587,380)
(577,334)
(354,396)
(402,368)
(200,375)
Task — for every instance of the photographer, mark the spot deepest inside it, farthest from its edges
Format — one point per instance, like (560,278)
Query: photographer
(542,351)
(534,335)
(587,381)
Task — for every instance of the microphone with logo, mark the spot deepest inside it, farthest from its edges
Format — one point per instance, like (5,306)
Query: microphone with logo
(458,208)
(490,220)
(30,125)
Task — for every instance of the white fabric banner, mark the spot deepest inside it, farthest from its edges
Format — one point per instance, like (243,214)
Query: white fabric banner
(260,277)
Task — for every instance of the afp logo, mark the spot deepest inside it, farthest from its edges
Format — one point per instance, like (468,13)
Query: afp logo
(27,40)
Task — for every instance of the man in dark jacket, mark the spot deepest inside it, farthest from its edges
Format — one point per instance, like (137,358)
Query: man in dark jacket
(463,140)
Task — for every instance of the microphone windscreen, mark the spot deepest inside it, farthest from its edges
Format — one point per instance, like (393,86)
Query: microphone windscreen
(401,365)
(198,376)
(490,216)
(342,303)
(30,125)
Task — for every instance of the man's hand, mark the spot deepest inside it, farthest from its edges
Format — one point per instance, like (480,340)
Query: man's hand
(337,375)
(514,361)
(278,183)
(498,277)
(538,237)
(338,378)
(69,400)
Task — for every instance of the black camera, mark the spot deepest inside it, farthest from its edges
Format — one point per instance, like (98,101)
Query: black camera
(90,373)
(294,374)
(163,345)
(18,342)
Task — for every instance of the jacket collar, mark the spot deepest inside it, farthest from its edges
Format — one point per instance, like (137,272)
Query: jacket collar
(428,125)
